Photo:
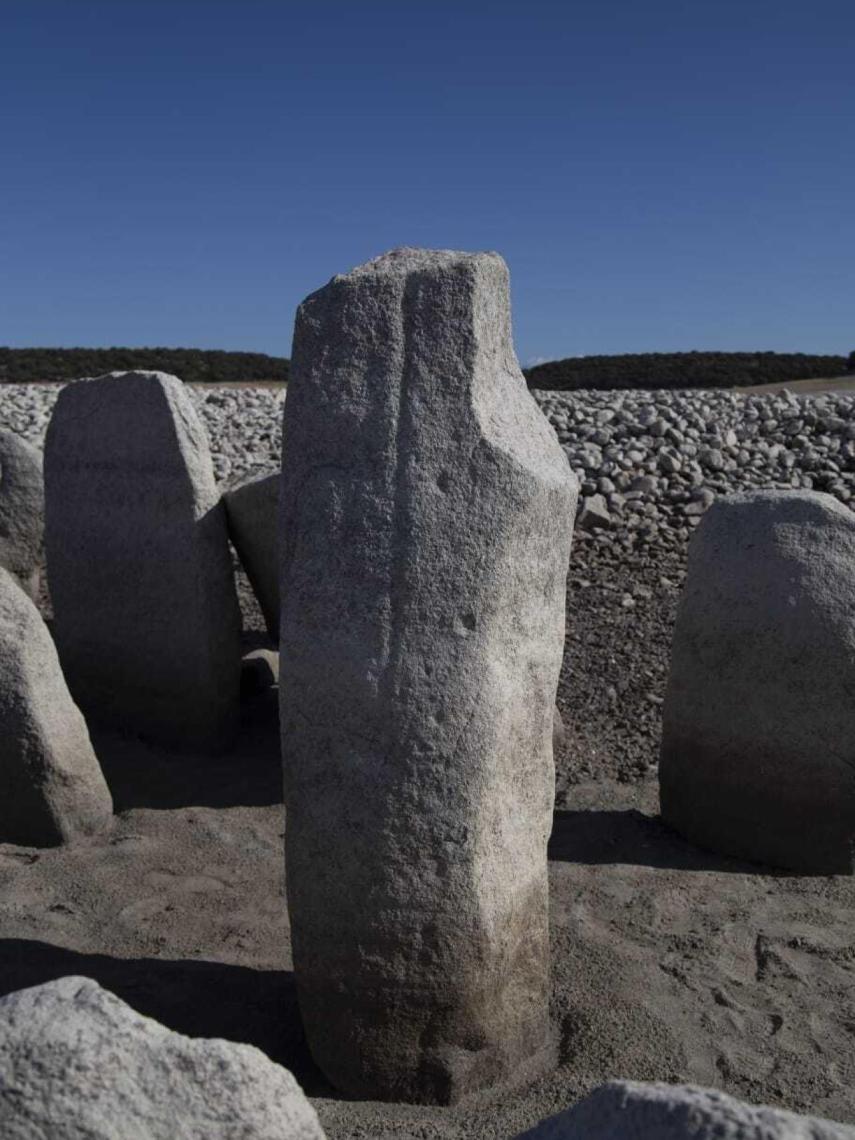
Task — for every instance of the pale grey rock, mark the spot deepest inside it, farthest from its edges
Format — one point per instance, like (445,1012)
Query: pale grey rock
(670,462)
(594,513)
(146,614)
(629,1110)
(427,517)
(22,510)
(758,746)
(53,788)
(253,525)
(646,484)
(76,1063)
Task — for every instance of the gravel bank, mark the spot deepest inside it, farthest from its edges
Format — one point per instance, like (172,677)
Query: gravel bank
(650,463)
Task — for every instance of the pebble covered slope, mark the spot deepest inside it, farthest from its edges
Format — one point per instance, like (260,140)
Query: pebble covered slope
(650,463)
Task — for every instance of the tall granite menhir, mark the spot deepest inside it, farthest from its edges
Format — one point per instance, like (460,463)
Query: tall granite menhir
(146,614)
(427,512)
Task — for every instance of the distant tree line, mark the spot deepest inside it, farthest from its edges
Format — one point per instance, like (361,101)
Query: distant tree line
(634,370)
(193,365)
(685,370)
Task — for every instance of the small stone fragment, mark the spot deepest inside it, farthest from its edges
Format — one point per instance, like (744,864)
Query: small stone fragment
(259,672)
(53,787)
(594,513)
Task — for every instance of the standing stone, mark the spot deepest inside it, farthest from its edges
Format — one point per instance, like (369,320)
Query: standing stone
(146,615)
(427,514)
(758,748)
(79,1064)
(22,511)
(53,789)
(252,511)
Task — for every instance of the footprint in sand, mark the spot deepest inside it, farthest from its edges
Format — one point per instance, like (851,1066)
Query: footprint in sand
(183,884)
(169,887)
(19,858)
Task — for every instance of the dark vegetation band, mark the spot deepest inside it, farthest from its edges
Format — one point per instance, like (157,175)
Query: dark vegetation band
(685,370)
(193,365)
(631,370)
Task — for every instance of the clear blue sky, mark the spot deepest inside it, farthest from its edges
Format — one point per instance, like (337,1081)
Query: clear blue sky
(659,174)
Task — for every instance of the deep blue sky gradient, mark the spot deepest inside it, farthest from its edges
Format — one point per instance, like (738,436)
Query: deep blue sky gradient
(659,175)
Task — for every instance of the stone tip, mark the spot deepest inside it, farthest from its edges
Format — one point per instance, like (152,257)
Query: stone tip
(409,259)
(152,375)
(781,505)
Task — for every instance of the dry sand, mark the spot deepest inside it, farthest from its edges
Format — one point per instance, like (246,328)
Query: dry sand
(669,963)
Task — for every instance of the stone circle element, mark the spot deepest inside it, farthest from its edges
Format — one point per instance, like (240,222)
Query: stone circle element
(758,745)
(146,613)
(427,516)
(53,787)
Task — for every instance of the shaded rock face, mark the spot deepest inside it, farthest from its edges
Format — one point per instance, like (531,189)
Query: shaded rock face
(626,1110)
(146,614)
(252,511)
(758,748)
(53,788)
(22,510)
(76,1061)
(427,514)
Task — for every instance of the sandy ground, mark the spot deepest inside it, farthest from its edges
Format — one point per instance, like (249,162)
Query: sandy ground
(669,963)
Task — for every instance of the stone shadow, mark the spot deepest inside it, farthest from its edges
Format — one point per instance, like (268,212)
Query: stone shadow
(608,837)
(198,999)
(143,775)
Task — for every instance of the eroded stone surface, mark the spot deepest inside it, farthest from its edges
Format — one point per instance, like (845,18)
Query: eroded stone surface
(146,614)
(22,510)
(53,788)
(77,1062)
(758,748)
(627,1110)
(427,516)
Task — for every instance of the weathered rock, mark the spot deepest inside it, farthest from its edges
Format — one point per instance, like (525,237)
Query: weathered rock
(627,1110)
(22,511)
(758,748)
(53,788)
(252,511)
(146,614)
(594,513)
(77,1062)
(427,516)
